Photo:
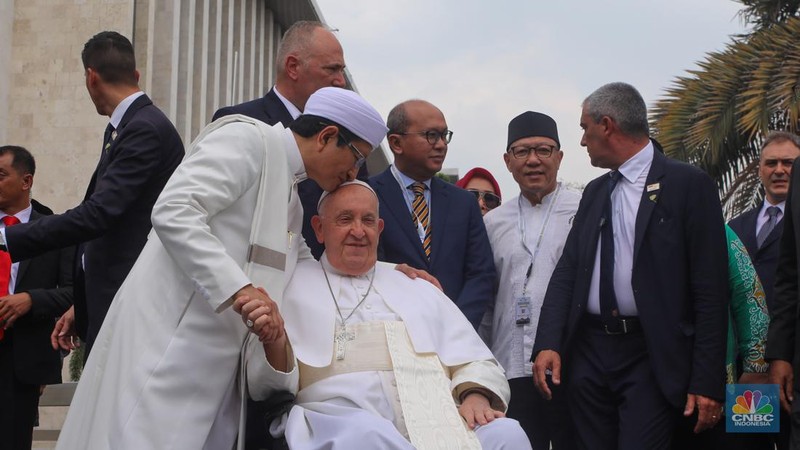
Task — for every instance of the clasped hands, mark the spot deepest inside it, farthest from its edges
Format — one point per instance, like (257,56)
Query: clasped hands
(259,313)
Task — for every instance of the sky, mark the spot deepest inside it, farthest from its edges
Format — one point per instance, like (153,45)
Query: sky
(484,62)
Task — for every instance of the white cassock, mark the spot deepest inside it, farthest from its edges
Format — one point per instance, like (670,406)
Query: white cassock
(163,371)
(403,398)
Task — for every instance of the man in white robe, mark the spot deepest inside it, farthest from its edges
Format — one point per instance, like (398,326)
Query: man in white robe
(376,360)
(163,370)
(527,234)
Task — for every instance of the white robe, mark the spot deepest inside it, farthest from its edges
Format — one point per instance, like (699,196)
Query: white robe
(333,412)
(163,371)
(512,344)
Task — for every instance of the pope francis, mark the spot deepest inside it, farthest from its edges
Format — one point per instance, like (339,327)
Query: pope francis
(163,371)
(376,359)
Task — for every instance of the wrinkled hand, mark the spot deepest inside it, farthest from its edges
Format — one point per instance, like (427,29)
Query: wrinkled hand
(64,336)
(256,305)
(546,360)
(782,374)
(413,273)
(476,410)
(709,411)
(12,307)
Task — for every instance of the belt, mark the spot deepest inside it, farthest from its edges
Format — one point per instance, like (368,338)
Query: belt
(616,325)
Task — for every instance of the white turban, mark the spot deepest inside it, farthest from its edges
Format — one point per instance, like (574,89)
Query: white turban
(349,110)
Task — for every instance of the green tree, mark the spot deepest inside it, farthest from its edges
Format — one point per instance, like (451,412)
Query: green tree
(716,116)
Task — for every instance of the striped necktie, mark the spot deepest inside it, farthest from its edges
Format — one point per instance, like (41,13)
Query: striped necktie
(421,214)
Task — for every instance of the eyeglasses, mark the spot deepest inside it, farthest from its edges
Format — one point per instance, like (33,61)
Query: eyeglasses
(360,158)
(542,151)
(433,136)
(490,199)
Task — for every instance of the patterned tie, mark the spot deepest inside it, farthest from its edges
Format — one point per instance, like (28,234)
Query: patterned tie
(5,267)
(767,228)
(421,214)
(608,298)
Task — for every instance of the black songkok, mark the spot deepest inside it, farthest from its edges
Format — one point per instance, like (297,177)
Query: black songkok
(530,124)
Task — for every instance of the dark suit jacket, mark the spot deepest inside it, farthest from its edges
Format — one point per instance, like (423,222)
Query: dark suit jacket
(679,279)
(764,259)
(783,335)
(113,220)
(270,110)
(461,257)
(48,280)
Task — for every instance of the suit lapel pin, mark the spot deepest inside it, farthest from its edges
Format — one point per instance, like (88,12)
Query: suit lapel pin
(652,190)
(113,135)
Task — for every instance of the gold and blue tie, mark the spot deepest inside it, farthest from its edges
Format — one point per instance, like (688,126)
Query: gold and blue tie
(421,215)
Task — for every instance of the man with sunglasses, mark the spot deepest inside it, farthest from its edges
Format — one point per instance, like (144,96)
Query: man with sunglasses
(429,223)
(527,234)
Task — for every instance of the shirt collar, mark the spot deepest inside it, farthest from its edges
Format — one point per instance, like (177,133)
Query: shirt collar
(638,163)
(122,108)
(293,110)
(293,155)
(407,181)
(24,216)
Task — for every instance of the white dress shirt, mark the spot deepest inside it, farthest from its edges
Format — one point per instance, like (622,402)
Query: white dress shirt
(293,111)
(625,201)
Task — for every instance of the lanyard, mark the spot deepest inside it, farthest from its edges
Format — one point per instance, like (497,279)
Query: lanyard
(521,227)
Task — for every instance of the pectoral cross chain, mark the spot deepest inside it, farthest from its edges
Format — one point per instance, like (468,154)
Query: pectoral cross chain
(343,335)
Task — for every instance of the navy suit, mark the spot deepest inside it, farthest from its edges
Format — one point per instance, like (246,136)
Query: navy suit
(461,257)
(765,259)
(270,110)
(113,221)
(27,359)
(679,283)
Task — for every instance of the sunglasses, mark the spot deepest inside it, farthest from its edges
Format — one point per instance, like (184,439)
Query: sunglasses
(490,199)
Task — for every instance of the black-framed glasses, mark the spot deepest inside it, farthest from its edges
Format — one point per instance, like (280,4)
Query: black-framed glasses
(541,151)
(490,199)
(433,136)
(360,158)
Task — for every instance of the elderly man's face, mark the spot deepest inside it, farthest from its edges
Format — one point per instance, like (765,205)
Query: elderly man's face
(349,226)
(323,65)
(535,174)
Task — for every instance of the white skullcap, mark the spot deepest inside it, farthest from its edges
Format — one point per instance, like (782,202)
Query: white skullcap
(346,183)
(349,110)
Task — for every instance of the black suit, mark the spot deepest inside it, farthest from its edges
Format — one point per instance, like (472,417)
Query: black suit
(113,221)
(679,282)
(27,360)
(765,259)
(461,256)
(270,110)
(783,335)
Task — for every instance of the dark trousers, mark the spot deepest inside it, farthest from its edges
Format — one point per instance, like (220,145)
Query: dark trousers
(614,398)
(19,402)
(544,421)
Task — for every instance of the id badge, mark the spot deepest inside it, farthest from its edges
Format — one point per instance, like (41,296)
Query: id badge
(522,310)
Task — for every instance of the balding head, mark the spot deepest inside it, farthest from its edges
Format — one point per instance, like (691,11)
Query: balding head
(309,58)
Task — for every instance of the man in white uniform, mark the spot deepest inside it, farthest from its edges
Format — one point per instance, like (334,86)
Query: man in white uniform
(527,234)
(377,360)
(163,372)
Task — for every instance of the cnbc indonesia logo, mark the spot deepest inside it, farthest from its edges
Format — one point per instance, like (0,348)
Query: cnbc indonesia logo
(752,409)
